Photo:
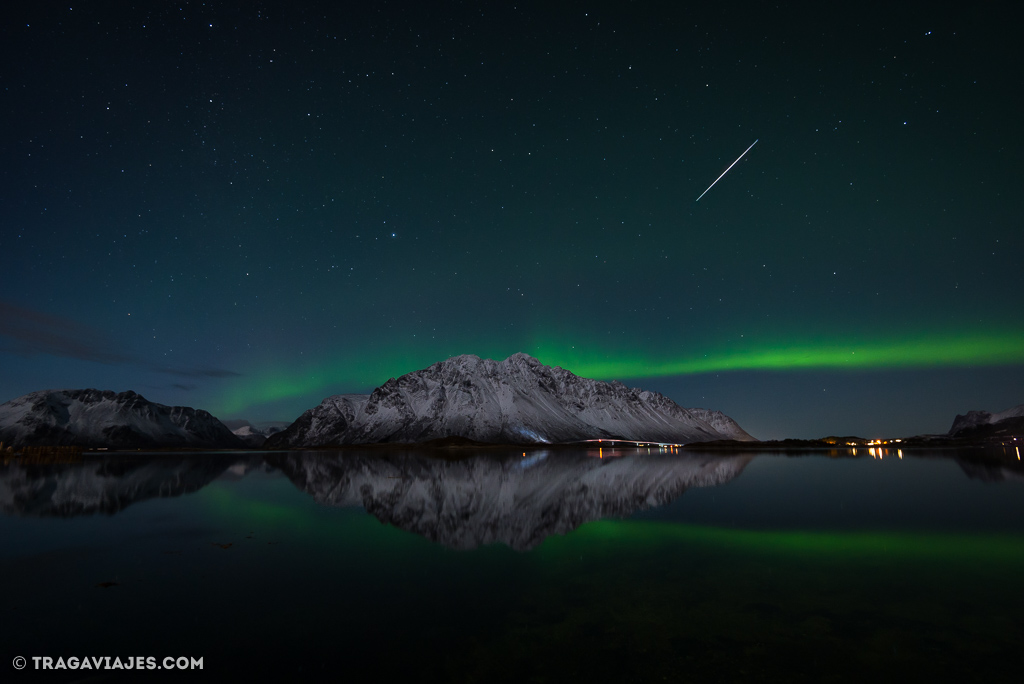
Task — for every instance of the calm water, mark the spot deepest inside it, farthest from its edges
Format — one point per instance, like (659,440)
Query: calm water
(618,566)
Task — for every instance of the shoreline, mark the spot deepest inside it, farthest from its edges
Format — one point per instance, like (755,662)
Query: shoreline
(461,446)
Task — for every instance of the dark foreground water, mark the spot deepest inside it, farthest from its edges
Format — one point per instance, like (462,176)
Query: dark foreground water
(610,566)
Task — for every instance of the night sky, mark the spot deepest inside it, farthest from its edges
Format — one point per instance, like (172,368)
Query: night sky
(246,207)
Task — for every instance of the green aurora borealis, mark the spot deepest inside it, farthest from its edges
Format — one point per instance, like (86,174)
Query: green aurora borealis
(246,209)
(368,370)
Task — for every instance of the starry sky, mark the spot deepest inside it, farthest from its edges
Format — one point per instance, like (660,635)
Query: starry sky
(246,207)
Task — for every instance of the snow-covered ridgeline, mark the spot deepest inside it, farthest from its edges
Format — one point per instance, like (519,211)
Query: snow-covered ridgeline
(515,401)
(94,418)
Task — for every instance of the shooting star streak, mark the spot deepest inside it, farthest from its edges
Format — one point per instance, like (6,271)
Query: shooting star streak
(727,170)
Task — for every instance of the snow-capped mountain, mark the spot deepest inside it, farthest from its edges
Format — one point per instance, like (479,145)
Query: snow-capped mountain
(92,418)
(975,419)
(249,434)
(515,501)
(253,436)
(515,401)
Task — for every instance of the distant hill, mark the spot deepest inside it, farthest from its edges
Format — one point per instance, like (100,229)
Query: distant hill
(253,435)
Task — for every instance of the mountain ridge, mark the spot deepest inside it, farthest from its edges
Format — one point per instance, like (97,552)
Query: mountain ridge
(977,419)
(514,401)
(92,418)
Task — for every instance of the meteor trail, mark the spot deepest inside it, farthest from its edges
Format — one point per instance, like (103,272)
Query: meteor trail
(727,170)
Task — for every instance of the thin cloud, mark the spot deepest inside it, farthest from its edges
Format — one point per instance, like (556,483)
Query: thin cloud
(27,332)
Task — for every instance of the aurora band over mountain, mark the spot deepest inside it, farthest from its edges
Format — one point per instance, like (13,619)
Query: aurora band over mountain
(359,372)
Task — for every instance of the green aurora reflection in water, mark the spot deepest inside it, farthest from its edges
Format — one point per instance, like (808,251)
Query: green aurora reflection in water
(308,522)
(768,574)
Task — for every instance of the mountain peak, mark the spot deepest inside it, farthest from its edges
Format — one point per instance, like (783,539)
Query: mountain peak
(522,358)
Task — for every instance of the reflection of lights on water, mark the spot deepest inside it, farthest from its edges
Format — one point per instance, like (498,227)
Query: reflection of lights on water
(613,444)
(1018,453)
(900,452)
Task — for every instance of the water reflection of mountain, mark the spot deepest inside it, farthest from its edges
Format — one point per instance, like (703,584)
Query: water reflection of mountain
(102,485)
(480,499)
(992,472)
(516,501)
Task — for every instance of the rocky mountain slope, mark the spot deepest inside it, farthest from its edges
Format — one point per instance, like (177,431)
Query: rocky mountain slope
(102,419)
(515,401)
(977,419)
